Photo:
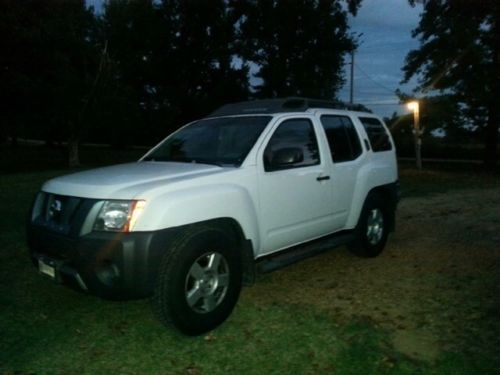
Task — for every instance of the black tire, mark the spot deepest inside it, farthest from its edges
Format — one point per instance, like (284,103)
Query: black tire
(372,228)
(186,271)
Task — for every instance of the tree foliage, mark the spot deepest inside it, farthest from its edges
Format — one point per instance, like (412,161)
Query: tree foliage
(48,65)
(137,69)
(297,45)
(459,54)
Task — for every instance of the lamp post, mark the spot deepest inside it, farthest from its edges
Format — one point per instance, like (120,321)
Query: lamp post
(357,43)
(417,132)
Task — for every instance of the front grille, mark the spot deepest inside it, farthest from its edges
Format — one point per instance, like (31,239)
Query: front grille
(59,213)
(60,210)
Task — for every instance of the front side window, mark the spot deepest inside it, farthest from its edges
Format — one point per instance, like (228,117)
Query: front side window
(224,141)
(342,138)
(292,145)
(379,139)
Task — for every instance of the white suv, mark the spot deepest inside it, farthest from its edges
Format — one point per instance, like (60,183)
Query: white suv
(246,189)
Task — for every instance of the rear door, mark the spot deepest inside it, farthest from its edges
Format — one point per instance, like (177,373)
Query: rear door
(345,159)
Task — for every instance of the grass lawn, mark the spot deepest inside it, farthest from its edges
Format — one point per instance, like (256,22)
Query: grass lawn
(47,328)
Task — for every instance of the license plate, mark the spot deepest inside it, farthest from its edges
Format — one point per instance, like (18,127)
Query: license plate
(46,269)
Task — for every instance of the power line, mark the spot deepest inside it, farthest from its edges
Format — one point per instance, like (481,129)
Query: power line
(379,50)
(393,43)
(377,83)
(375,92)
(381,104)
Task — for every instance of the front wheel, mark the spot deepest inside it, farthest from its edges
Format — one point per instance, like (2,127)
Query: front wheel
(372,229)
(199,281)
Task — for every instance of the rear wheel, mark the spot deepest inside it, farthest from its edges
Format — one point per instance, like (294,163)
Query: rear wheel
(199,281)
(372,229)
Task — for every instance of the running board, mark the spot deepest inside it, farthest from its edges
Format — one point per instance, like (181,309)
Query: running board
(303,251)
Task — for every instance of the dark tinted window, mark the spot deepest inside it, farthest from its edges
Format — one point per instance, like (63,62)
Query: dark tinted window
(377,134)
(296,133)
(221,141)
(342,138)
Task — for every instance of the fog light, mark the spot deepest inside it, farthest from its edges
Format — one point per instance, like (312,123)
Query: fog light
(108,273)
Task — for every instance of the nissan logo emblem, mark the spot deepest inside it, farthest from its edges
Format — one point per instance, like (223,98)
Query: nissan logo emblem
(55,208)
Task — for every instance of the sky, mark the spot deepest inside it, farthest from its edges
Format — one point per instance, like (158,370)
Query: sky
(386,26)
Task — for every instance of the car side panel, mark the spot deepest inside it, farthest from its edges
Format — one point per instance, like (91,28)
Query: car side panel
(202,203)
(380,169)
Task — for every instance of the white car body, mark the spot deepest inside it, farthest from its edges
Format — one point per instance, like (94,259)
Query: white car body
(254,187)
(271,214)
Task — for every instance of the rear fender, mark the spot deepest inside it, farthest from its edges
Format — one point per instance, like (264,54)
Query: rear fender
(370,178)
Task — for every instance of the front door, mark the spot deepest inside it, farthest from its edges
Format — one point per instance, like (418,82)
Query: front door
(295,197)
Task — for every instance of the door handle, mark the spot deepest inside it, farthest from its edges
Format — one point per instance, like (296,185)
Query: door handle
(322,178)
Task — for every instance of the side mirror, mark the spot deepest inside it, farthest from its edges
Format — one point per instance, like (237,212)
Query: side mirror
(285,157)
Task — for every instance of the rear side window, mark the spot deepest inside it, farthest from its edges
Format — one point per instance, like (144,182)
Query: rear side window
(377,134)
(342,138)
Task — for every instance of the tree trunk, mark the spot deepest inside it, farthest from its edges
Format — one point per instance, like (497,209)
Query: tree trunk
(493,124)
(13,135)
(73,152)
(491,135)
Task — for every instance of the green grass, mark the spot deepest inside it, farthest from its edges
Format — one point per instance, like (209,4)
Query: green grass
(47,328)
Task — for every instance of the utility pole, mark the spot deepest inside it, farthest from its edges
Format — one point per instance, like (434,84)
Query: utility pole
(356,44)
(351,96)
(418,138)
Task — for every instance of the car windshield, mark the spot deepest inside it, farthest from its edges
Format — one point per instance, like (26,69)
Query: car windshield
(224,141)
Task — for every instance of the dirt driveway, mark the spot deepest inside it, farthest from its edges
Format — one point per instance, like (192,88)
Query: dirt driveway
(435,288)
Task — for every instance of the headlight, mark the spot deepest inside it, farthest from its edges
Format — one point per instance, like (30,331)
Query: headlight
(118,216)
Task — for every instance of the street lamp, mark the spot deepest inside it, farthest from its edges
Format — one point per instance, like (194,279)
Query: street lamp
(414,106)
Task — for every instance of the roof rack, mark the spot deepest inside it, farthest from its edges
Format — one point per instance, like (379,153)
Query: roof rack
(290,104)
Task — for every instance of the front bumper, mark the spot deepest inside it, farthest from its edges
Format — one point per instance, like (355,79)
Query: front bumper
(110,265)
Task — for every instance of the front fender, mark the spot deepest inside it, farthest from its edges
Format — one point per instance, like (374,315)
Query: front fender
(202,203)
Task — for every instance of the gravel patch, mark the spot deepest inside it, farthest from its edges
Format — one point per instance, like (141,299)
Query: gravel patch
(435,288)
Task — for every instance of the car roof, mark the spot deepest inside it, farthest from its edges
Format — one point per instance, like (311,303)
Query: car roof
(280,105)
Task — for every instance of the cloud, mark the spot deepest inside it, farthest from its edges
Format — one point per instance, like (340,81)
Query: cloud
(396,15)
(386,26)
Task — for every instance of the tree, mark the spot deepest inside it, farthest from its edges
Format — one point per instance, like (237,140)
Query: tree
(133,31)
(459,53)
(49,72)
(16,60)
(143,67)
(298,46)
(74,69)
(170,62)
(203,74)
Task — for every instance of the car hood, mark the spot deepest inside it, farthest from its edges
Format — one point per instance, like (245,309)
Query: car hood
(125,181)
